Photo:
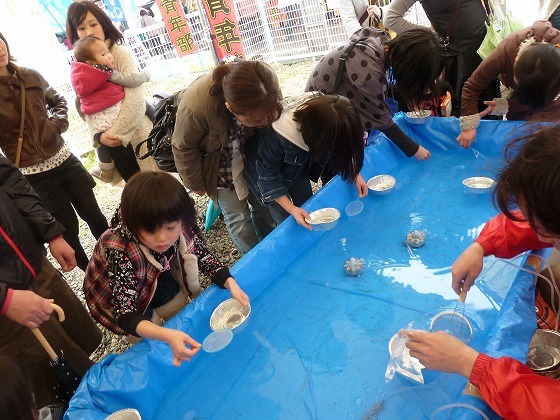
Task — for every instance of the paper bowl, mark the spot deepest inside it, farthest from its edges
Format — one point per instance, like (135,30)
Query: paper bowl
(230,315)
(418,117)
(323,219)
(544,353)
(381,184)
(478,184)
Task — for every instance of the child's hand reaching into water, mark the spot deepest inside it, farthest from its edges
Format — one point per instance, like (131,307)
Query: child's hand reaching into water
(361,186)
(236,292)
(183,346)
(422,153)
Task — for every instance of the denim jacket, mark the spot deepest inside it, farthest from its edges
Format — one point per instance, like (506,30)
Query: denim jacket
(272,163)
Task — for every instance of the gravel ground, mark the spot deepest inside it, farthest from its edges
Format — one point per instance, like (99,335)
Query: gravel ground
(292,79)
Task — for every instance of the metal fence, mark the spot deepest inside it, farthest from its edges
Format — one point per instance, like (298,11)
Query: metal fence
(305,29)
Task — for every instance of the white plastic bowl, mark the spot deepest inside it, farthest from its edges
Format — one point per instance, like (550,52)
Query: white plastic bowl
(478,184)
(381,184)
(418,117)
(324,219)
(230,315)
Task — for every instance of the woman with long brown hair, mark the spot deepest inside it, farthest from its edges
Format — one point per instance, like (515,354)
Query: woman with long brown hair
(33,110)
(85,18)
(215,116)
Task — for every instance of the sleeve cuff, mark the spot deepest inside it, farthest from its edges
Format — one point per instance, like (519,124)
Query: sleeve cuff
(469,122)
(502,107)
(56,237)
(130,321)
(483,244)
(221,276)
(480,365)
(96,140)
(7,301)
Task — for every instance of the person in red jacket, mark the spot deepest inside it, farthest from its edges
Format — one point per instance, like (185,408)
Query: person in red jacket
(527,194)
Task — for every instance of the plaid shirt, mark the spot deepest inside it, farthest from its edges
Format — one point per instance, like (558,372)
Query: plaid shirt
(108,298)
(225,178)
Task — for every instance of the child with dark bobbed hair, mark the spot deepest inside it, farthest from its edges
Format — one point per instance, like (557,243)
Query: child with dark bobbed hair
(324,130)
(537,73)
(144,268)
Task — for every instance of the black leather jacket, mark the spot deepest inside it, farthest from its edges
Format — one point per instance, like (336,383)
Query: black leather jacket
(46,116)
(25,226)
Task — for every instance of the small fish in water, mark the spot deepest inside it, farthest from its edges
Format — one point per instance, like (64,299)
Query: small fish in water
(375,411)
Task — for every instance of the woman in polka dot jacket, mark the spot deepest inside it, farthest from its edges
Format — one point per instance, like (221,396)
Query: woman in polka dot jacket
(412,61)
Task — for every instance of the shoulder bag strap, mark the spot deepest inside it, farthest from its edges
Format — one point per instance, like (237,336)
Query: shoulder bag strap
(452,23)
(342,64)
(363,18)
(21,124)
(487,7)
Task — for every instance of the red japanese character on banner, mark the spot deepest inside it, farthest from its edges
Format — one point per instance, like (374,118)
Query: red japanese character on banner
(224,28)
(177,26)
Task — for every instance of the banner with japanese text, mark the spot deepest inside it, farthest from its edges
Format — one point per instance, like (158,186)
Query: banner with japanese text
(177,26)
(115,12)
(224,28)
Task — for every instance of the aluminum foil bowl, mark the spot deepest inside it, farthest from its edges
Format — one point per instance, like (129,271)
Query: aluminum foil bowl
(418,117)
(125,414)
(353,267)
(478,184)
(381,184)
(323,219)
(416,238)
(230,315)
(544,353)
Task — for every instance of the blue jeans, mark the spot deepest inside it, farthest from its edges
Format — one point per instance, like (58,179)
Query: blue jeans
(246,221)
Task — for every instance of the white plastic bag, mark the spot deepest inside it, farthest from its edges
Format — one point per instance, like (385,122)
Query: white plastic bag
(401,361)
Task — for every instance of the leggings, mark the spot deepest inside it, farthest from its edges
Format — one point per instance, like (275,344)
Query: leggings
(87,208)
(125,161)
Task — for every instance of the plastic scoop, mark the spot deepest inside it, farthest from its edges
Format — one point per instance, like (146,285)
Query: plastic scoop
(354,207)
(217,340)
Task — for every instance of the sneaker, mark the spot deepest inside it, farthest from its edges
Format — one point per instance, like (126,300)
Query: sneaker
(105,176)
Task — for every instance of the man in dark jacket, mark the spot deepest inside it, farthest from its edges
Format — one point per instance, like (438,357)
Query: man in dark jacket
(29,284)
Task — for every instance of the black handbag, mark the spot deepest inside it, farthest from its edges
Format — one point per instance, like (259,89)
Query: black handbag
(158,142)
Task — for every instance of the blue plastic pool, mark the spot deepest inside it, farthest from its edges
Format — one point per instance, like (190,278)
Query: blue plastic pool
(316,345)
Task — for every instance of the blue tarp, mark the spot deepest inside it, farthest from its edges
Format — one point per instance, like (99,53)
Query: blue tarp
(316,342)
